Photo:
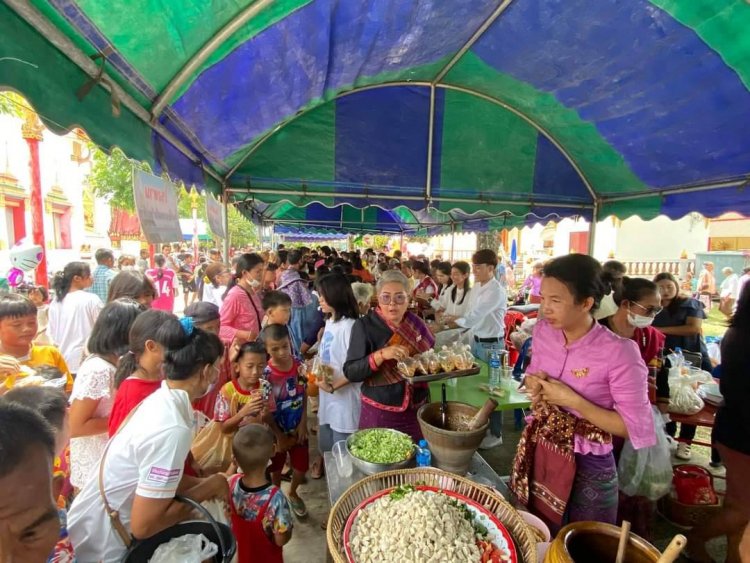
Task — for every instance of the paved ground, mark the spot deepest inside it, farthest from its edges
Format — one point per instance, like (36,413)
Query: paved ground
(308,544)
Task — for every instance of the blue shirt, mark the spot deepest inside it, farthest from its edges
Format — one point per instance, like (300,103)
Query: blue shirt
(102,278)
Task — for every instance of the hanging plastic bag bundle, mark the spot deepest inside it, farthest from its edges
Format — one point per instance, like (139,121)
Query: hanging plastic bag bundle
(647,472)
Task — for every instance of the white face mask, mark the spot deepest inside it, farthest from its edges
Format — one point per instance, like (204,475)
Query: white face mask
(639,321)
(255,284)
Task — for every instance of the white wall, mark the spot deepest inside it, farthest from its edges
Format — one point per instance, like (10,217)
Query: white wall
(661,238)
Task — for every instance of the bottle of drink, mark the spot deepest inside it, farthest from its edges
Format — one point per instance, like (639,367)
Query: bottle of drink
(495,369)
(424,455)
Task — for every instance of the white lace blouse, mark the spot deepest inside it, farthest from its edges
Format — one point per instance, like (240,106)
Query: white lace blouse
(94,380)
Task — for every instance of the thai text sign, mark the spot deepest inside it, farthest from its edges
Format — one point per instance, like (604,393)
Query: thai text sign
(156,204)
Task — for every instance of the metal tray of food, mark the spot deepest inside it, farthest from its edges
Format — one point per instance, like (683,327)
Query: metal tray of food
(443,375)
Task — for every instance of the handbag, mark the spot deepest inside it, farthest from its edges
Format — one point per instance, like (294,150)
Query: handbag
(212,448)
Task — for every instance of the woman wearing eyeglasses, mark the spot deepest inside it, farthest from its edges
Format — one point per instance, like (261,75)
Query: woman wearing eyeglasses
(638,302)
(637,305)
(380,339)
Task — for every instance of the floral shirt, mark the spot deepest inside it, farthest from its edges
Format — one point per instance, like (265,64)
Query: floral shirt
(288,395)
(249,502)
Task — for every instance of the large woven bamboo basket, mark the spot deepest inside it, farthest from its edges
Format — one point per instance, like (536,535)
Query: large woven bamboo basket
(362,490)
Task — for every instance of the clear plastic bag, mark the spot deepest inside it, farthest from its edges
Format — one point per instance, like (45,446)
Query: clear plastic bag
(647,472)
(683,398)
(191,548)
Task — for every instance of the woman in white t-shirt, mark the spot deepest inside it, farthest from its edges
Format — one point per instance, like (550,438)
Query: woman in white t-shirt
(142,467)
(454,301)
(93,394)
(339,402)
(73,312)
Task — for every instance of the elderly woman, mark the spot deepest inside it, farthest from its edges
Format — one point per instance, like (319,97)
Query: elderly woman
(379,340)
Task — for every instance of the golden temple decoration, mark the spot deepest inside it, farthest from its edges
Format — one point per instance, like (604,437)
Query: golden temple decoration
(31,128)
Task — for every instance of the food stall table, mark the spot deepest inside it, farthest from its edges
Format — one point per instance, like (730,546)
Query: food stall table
(479,472)
(466,390)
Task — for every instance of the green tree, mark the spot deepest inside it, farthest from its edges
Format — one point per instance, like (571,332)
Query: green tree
(111,178)
(11,103)
(241,231)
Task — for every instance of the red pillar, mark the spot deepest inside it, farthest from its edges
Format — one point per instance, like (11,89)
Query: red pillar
(32,132)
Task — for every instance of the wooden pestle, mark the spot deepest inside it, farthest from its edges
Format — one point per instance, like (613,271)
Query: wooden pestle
(624,537)
(673,550)
(483,414)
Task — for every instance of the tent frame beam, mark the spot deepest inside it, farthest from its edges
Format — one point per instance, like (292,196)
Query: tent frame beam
(489,201)
(469,91)
(202,55)
(52,34)
(476,36)
(741,183)
(430,140)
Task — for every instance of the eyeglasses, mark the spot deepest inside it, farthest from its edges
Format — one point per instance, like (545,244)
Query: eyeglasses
(397,298)
(650,311)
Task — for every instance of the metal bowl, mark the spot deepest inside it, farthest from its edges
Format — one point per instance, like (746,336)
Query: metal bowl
(370,468)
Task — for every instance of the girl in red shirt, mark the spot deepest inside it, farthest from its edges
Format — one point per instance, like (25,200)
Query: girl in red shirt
(139,371)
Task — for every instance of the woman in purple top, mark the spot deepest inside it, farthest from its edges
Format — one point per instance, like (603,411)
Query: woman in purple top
(534,283)
(586,384)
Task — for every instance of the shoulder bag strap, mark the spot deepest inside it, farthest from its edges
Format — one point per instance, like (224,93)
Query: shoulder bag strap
(112,514)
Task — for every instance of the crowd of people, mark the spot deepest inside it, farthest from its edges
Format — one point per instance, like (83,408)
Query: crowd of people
(97,461)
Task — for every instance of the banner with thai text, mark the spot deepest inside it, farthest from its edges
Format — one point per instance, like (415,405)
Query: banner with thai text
(156,204)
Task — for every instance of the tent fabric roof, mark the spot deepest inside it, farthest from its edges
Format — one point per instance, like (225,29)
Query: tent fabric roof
(484,106)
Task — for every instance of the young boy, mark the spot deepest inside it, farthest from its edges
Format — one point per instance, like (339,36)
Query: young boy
(289,421)
(18,328)
(260,513)
(278,308)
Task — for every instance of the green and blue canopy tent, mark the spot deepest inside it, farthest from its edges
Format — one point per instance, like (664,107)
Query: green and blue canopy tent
(484,111)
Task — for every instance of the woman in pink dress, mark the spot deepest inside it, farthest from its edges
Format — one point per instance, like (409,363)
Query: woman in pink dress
(165,281)
(586,385)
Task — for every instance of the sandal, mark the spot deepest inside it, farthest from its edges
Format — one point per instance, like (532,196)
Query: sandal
(298,507)
(318,468)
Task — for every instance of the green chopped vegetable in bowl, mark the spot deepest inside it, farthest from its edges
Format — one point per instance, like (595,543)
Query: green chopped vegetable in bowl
(380,449)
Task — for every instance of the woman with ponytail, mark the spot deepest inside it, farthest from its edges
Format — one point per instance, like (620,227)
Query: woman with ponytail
(143,466)
(73,312)
(139,371)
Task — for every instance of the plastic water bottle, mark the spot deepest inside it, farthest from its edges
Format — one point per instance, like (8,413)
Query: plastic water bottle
(495,371)
(424,455)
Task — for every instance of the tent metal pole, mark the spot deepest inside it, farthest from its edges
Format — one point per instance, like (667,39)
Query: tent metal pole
(52,34)
(205,52)
(592,228)
(430,137)
(453,239)
(225,220)
(401,242)
(488,201)
(744,182)
(473,39)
